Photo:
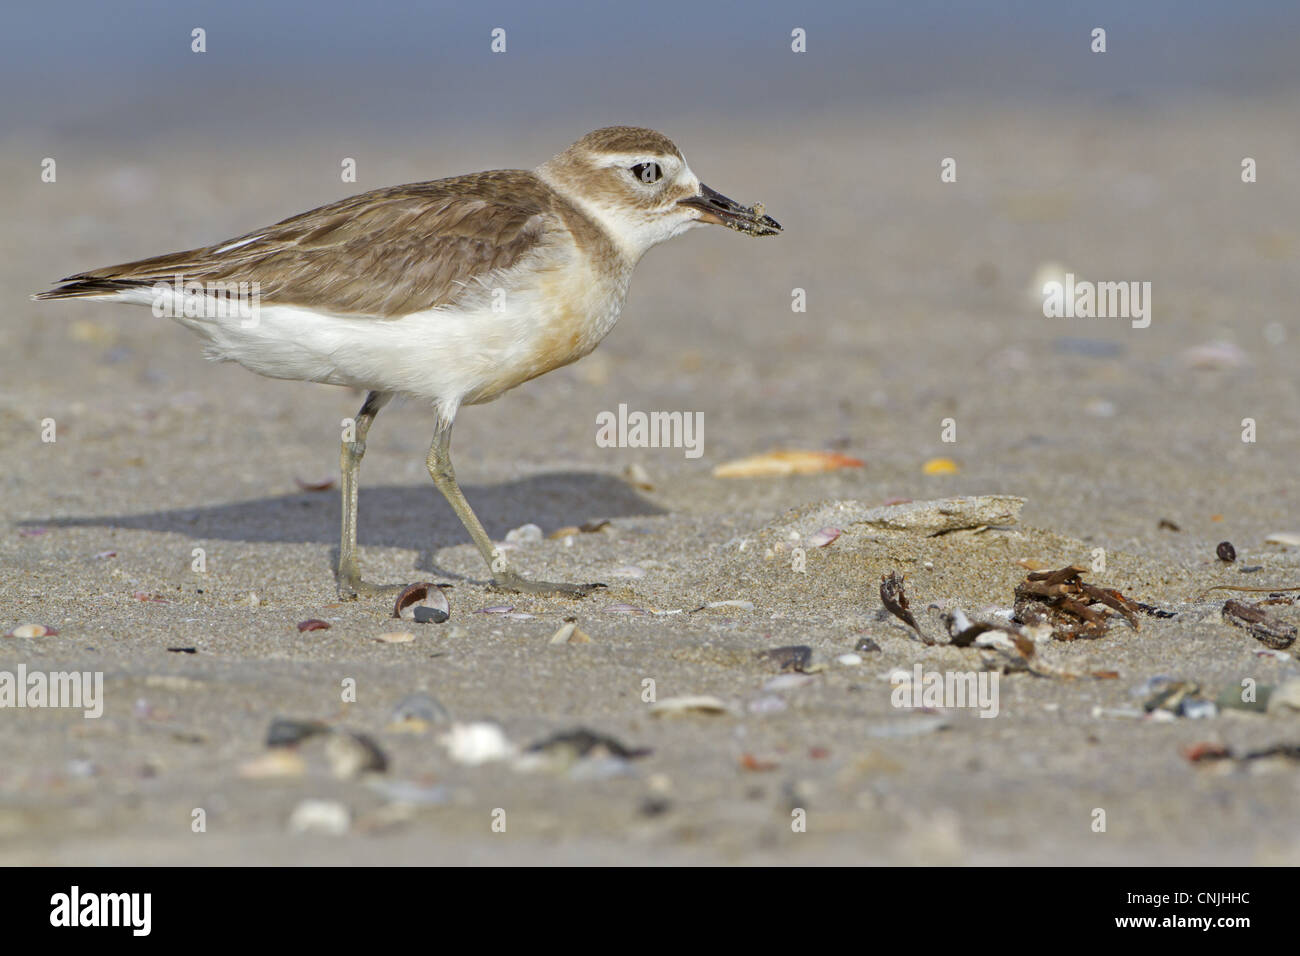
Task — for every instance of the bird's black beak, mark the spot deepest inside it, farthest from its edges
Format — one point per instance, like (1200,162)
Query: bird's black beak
(720,210)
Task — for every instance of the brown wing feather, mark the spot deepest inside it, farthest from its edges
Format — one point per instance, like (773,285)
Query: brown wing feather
(384,253)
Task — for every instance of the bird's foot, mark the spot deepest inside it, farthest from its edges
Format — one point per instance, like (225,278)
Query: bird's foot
(510,581)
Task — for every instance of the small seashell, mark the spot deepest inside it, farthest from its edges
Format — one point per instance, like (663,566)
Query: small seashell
(628,571)
(32,630)
(940,466)
(786,462)
(638,477)
(698,704)
(397,637)
(624,609)
(324,484)
(1288,539)
(416,713)
(426,595)
(275,764)
(313,624)
(520,616)
(320,816)
(524,534)
(823,537)
(105,555)
(1285,697)
(1214,355)
(477,743)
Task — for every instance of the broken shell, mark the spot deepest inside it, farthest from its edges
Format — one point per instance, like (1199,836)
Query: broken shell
(324,484)
(274,764)
(1288,539)
(940,466)
(638,477)
(823,537)
(422,594)
(698,704)
(786,462)
(313,624)
(397,637)
(570,634)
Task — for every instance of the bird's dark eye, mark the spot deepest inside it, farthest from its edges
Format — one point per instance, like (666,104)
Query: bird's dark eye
(647,172)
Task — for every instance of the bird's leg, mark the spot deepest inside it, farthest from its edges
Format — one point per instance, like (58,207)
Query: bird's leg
(503,576)
(350,584)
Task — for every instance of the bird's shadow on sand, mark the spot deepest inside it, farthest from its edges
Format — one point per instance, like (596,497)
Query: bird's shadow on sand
(414,517)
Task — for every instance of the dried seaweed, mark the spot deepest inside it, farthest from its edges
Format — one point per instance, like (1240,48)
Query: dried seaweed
(1063,600)
(894,598)
(1270,632)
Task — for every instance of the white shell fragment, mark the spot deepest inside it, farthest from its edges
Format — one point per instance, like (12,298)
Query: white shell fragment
(320,816)
(477,743)
(698,704)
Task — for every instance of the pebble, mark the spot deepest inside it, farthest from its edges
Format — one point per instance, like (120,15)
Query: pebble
(524,534)
(849,660)
(867,646)
(320,816)
(285,732)
(1226,551)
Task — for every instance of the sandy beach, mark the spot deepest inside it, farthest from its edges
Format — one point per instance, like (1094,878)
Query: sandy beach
(923,305)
